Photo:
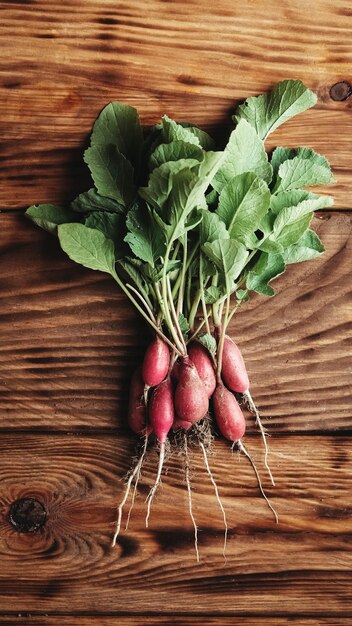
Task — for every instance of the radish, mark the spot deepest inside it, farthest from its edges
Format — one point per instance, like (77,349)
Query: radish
(232,425)
(161,417)
(191,398)
(229,417)
(137,413)
(233,369)
(156,362)
(181,424)
(201,359)
(234,374)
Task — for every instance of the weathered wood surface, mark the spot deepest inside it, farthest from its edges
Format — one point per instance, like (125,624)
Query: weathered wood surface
(172,620)
(60,66)
(71,340)
(306,558)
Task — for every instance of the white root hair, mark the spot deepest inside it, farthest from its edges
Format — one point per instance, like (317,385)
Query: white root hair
(188,482)
(156,483)
(243,449)
(206,463)
(252,407)
(136,471)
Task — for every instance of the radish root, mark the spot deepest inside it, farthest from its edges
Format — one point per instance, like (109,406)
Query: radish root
(138,475)
(206,463)
(188,483)
(254,410)
(243,449)
(157,482)
(135,472)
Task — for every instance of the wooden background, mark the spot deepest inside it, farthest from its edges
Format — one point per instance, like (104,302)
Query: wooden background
(69,340)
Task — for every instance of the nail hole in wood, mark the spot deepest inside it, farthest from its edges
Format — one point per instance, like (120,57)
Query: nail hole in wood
(341,91)
(27,515)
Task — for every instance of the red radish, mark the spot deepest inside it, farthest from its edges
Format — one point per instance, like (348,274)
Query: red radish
(156,362)
(233,370)
(181,424)
(161,409)
(137,413)
(235,376)
(229,417)
(175,372)
(199,355)
(161,416)
(191,398)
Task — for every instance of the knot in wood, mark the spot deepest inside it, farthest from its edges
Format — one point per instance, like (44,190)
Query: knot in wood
(341,91)
(27,515)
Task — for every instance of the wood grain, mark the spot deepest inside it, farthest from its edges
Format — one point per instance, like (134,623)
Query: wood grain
(83,620)
(71,340)
(59,68)
(77,480)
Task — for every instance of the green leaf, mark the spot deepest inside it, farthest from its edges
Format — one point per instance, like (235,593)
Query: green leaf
(212,228)
(87,246)
(268,111)
(242,295)
(174,151)
(228,255)
(292,221)
(294,197)
(205,141)
(161,181)
(278,156)
(307,247)
(91,200)
(172,131)
(119,124)
(134,271)
(49,216)
(145,237)
(242,205)
(209,342)
(302,172)
(111,172)
(178,192)
(112,225)
(212,294)
(212,197)
(184,326)
(268,267)
(244,152)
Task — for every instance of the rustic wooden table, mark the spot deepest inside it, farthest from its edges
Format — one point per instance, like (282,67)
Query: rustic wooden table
(70,340)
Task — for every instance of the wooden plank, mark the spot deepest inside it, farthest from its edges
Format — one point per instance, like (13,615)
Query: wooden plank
(70,340)
(166,620)
(306,559)
(59,67)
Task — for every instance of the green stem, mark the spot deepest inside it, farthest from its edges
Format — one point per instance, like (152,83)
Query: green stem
(222,339)
(181,291)
(234,310)
(179,278)
(204,306)
(166,311)
(175,316)
(194,308)
(146,305)
(163,303)
(143,313)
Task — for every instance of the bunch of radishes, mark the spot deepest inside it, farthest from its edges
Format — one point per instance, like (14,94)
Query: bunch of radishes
(170,394)
(189,230)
